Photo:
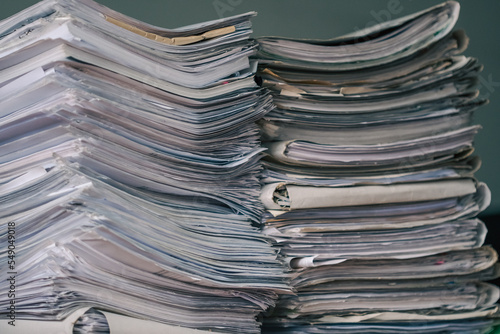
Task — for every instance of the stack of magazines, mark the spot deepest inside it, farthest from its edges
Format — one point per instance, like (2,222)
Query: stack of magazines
(129,175)
(369,185)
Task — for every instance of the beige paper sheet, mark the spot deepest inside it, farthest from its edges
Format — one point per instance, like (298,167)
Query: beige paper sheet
(308,197)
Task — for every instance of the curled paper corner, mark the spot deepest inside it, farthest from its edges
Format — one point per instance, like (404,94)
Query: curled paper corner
(484,196)
(313,261)
(291,91)
(278,149)
(276,213)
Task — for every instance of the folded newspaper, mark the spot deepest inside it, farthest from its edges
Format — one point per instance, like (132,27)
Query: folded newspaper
(369,180)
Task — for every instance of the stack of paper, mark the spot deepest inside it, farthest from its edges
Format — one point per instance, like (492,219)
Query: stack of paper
(129,172)
(369,185)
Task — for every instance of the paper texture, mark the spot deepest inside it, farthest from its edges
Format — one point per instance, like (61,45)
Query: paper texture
(184,40)
(302,197)
(118,324)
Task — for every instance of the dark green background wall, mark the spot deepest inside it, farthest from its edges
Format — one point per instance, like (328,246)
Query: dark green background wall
(330,18)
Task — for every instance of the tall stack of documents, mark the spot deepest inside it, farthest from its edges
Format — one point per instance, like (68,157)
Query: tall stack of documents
(129,173)
(369,185)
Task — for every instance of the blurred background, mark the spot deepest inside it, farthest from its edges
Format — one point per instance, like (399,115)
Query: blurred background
(331,18)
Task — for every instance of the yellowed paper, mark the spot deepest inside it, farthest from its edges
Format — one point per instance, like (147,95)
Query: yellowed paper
(183,40)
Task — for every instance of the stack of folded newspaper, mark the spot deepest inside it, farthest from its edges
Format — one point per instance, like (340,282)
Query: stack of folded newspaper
(369,185)
(129,174)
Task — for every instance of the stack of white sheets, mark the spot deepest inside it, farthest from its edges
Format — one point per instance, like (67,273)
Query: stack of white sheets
(129,171)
